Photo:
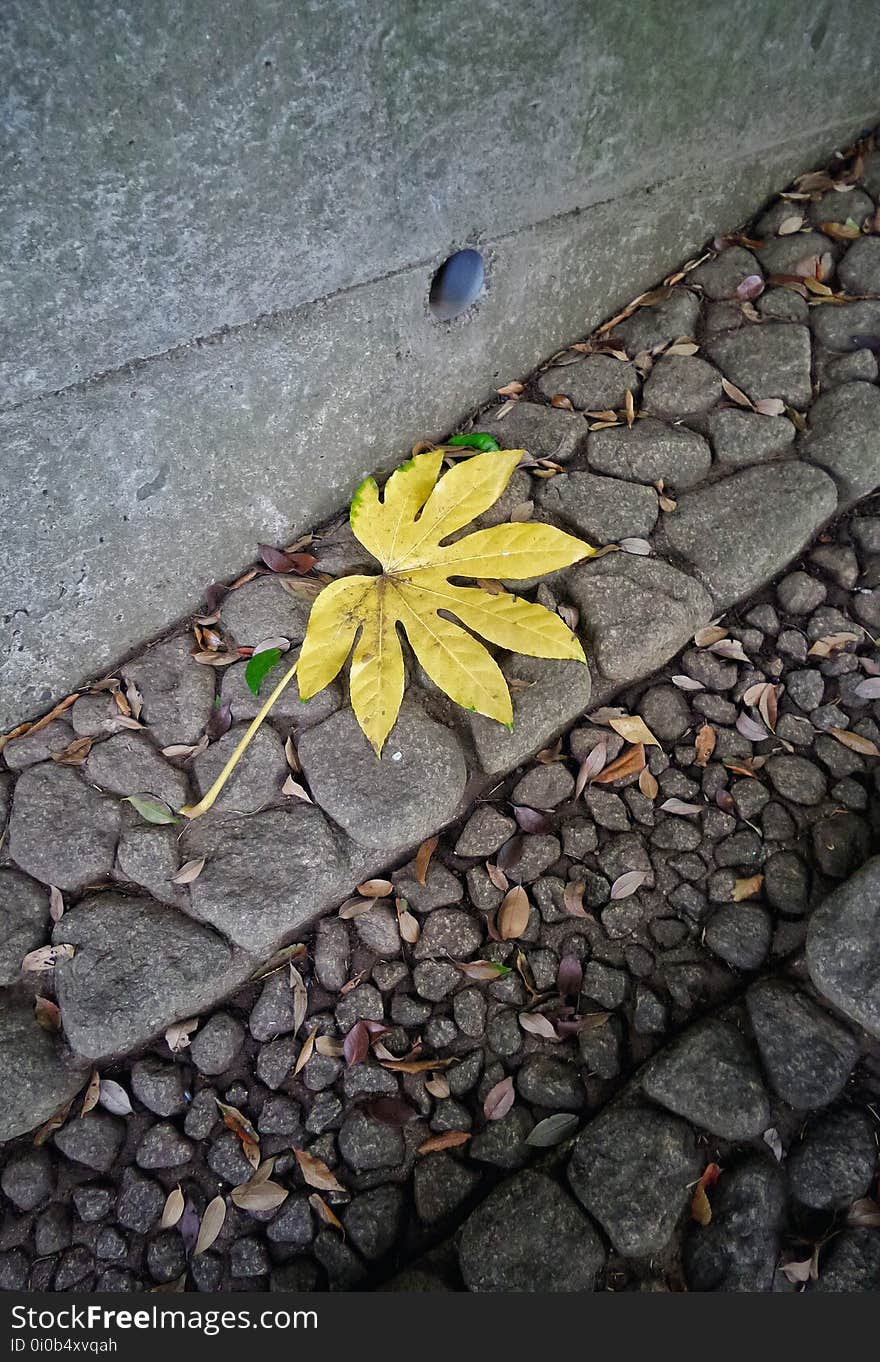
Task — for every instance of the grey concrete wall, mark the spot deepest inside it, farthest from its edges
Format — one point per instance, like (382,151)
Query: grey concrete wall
(220,224)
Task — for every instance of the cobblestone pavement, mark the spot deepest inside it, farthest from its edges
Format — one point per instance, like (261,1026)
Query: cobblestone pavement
(637,956)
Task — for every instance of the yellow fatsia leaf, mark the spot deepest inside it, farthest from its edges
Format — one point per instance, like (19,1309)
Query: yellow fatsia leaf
(504,620)
(465,492)
(376,680)
(379,525)
(453,658)
(526,549)
(335,618)
(404,529)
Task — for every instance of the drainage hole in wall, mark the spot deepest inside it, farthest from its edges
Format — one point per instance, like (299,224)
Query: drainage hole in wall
(457,284)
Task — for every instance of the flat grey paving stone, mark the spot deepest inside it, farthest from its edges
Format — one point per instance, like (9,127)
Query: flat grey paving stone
(93,1140)
(547,694)
(648,452)
(273,1013)
(783,305)
(859,365)
(635,612)
(24,921)
(837,206)
(216,1045)
(740,438)
(528,1235)
(674,318)
(440,889)
(62,830)
(378,931)
(767,361)
(150,857)
(94,715)
(681,385)
(835,1161)
(256,780)
(843,947)
(782,254)
(268,875)
(603,510)
(138,967)
(39,746)
(394,801)
(859,270)
(128,763)
(806,1053)
(28,1178)
(844,437)
(596,383)
(486,830)
(366,1143)
(441,1185)
(721,277)
(710,1076)
(839,328)
(740,934)
(851,1262)
(545,432)
(739,1248)
(178,692)
(37,1073)
(262,609)
(288,709)
(372,1220)
(544,787)
(159,1085)
(740,531)
(632,1168)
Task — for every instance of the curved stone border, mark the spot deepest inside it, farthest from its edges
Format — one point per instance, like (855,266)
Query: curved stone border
(710,499)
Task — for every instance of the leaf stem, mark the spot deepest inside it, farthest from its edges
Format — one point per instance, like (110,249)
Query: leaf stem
(204,804)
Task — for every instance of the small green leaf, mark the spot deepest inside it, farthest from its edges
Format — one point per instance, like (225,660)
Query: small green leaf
(151,809)
(478,439)
(259,665)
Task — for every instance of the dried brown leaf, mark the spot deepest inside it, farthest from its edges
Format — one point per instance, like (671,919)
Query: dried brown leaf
(305,1053)
(573,898)
(47,1013)
(628,883)
(375,889)
(259,1196)
(190,871)
(316,1173)
(177,1036)
(329,1217)
(630,762)
(212,1224)
(499,1100)
(712,633)
(747,888)
(538,1025)
(855,742)
(513,914)
(705,744)
(633,729)
(450,1139)
(174,1204)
